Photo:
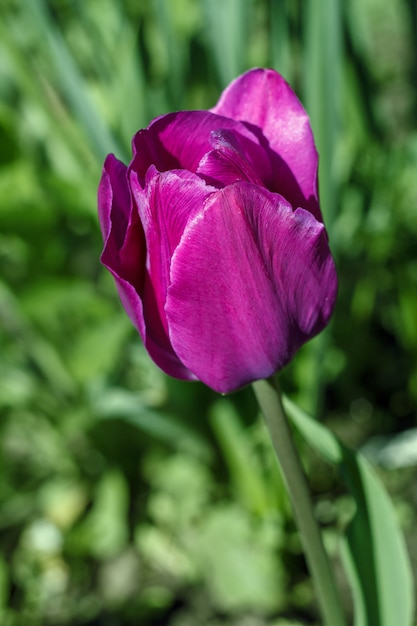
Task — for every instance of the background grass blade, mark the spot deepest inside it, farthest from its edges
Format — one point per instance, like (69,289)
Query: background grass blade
(72,84)
(227,35)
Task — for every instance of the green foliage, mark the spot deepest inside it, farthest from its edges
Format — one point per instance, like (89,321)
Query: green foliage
(373,548)
(128,498)
(190,529)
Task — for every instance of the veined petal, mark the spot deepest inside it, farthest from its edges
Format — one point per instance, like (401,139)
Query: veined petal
(124,243)
(113,197)
(124,255)
(169,201)
(179,141)
(124,247)
(251,281)
(262,98)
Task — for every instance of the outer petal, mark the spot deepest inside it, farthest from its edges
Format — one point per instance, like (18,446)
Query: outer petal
(113,186)
(262,98)
(124,244)
(251,281)
(180,140)
(124,255)
(168,202)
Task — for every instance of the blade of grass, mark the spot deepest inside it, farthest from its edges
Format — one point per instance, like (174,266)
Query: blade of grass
(175,52)
(72,83)
(38,102)
(228,29)
(280,39)
(322,90)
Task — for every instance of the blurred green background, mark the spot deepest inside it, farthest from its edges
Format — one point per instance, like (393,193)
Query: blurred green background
(127,498)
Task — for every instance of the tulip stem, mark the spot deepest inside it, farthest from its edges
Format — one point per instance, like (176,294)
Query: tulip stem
(269,399)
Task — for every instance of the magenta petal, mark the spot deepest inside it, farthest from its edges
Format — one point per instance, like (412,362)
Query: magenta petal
(113,186)
(262,98)
(232,160)
(124,255)
(179,141)
(124,243)
(251,281)
(169,201)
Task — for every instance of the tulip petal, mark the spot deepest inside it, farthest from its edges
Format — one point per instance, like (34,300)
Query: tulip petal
(262,98)
(124,255)
(180,140)
(124,247)
(251,281)
(231,160)
(168,202)
(113,184)
(124,244)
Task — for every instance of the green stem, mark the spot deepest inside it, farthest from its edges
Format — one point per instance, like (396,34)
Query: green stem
(269,399)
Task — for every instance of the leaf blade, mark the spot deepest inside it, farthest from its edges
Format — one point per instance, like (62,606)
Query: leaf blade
(373,550)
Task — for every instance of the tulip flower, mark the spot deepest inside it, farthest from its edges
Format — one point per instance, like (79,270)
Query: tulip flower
(215,237)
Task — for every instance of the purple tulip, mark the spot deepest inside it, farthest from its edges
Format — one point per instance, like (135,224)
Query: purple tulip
(215,238)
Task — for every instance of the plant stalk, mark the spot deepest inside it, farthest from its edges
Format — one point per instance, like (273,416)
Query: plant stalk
(269,399)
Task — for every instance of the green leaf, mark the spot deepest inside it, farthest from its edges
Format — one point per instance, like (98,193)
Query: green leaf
(373,549)
(116,403)
(105,533)
(246,476)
